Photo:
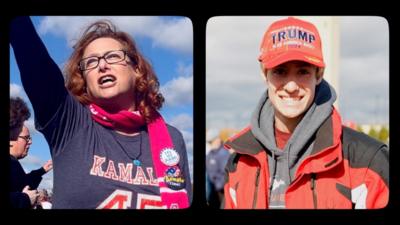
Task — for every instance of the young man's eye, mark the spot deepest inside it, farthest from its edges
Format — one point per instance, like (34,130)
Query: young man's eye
(279,71)
(304,71)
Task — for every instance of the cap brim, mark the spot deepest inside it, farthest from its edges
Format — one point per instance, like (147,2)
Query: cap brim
(292,56)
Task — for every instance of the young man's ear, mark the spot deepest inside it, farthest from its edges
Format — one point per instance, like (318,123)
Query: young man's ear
(320,74)
(263,72)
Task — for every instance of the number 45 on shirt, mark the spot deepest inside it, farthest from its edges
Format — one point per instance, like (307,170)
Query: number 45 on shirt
(121,199)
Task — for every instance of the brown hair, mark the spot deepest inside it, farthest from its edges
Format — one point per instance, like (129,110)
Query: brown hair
(319,72)
(19,113)
(147,97)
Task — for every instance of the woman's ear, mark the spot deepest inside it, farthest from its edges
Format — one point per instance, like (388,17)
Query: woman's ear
(137,73)
(136,68)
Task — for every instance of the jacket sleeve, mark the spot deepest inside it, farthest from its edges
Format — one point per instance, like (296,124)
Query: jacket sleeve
(377,180)
(369,169)
(34,177)
(41,78)
(370,183)
(19,200)
(229,201)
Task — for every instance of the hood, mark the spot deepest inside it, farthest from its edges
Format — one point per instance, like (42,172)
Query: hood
(262,124)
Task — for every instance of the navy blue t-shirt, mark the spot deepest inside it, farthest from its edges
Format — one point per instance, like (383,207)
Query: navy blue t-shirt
(93,165)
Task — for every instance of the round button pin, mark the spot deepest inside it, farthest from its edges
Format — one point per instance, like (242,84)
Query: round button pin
(169,157)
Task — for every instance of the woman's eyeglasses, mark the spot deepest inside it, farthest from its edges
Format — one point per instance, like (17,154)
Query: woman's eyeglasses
(110,57)
(27,138)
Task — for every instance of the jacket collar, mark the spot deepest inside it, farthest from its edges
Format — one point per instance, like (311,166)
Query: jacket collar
(325,155)
(245,143)
(327,151)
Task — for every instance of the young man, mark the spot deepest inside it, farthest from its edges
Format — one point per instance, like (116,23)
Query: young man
(295,153)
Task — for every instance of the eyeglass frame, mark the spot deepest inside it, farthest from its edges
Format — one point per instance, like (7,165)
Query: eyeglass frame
(102,57)
(27,138)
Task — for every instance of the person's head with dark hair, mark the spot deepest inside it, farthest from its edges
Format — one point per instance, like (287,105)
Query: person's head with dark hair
(106,68)
(20,139)
(19,113)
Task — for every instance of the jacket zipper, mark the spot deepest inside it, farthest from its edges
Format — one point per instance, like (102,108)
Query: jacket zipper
(256,187)
(314,192)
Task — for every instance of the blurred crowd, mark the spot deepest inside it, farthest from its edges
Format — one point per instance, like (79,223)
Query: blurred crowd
(216,158)
(43,200)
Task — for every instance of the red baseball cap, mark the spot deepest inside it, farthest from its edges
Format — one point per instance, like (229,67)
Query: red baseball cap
(291,39)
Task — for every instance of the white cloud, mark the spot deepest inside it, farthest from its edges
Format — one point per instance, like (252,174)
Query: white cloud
(31,126)
(178,91)
(165,32)
(364,72)
(365,91)
(233,79)
(366,35)
(182,121)
(175,34)
(31,162)
(17,91)
(184,70)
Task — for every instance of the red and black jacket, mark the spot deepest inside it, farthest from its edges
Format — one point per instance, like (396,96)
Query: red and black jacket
(345,170)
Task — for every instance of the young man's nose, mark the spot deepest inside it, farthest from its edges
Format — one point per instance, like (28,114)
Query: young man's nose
(291,86)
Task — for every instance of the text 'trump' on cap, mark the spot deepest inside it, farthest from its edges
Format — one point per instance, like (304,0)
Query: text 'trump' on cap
(291,39)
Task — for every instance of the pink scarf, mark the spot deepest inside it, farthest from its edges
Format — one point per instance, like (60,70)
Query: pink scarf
(161,146)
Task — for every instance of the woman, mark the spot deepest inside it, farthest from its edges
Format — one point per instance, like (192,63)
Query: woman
(110,146)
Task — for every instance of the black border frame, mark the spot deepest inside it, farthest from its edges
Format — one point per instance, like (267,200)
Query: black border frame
(199,13)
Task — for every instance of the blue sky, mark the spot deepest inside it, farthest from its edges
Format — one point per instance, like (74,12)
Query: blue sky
(171,56)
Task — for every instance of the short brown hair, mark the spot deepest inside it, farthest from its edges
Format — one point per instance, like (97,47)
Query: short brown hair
(147,97)
(319,72)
